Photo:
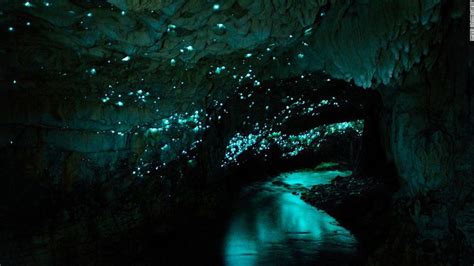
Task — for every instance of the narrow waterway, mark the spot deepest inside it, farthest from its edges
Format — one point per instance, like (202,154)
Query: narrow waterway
(271,225)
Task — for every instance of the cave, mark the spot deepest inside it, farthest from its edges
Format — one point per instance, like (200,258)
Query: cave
(236,132)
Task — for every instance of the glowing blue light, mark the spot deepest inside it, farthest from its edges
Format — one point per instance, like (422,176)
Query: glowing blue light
(126,58)
(89,14)
(300,56)
(219,69)
(123,13)
(216,7)
(11,29)
(27,4)
(171,27)
(189,48)
(93,71)
(173,62)
(248,55)
(119,103)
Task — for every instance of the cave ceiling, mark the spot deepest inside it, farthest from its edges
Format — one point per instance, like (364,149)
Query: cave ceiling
(194,45)
(92,72)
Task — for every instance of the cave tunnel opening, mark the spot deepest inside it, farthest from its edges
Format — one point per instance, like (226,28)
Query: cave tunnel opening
(318,136)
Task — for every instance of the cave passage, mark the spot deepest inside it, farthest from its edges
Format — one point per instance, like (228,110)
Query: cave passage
(272,225)
(177,132)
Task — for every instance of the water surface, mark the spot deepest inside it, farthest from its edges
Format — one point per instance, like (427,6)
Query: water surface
(272,226)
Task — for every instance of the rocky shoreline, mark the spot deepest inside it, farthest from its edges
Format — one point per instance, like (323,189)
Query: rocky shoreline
(362,205)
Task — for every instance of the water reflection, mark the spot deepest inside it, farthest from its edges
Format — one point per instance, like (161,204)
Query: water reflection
(271,226)
(310,178)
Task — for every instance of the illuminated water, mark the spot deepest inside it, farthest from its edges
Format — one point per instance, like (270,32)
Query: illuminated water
(271,226)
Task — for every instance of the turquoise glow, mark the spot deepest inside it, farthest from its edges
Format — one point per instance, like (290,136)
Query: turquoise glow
(271,226)
(310,178)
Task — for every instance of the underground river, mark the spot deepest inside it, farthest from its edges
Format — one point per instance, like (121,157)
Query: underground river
(267,224)
(271,225)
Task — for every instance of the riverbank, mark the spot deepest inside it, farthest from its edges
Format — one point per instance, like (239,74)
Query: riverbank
(361,204)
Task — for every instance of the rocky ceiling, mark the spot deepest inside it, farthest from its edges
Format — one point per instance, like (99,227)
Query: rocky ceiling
(90,73)
(169,42)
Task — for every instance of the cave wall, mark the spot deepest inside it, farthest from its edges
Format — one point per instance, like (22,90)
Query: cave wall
(428,126)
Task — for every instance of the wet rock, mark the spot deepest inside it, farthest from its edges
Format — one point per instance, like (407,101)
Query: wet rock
(361,204)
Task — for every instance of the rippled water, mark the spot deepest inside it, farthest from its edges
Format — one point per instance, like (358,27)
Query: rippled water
(271,226)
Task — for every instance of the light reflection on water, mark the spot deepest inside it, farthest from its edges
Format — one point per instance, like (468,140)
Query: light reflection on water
(310,178)
(271,226)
